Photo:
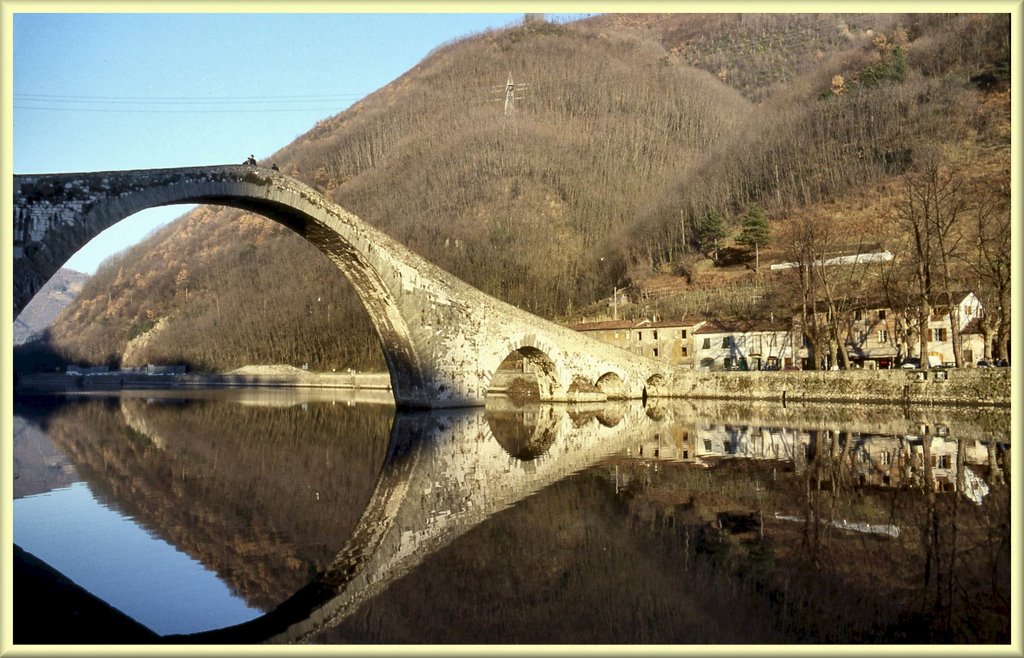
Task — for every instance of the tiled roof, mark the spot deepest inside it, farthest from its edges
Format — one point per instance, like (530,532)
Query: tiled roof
(672,324)
(741,326)
(605,325)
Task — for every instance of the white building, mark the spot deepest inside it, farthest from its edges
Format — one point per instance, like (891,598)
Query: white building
(743,345)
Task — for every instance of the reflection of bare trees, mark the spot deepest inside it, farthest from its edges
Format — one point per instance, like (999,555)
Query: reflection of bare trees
(948,568)
(904,534)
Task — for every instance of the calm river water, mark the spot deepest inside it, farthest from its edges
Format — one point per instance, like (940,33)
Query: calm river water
(674,523)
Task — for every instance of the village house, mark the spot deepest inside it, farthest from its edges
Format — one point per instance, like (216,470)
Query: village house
(874,338)
(668,340)
(613,332)
(967,312)
(743,345)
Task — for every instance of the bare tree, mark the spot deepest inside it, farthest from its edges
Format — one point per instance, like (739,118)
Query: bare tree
(931,211)
(988,259)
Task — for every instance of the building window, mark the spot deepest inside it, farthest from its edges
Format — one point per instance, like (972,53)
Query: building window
(727,362)
(857,315)
(682,334)
(685,353)
(707,344)
(881,314)
(655,334)
(969,356)
(755,345)
(655,352)
(639,335)
(726,341)
(939,335)
(883,336)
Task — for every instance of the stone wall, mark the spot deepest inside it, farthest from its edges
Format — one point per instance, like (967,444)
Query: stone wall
(59,382)
(972,386)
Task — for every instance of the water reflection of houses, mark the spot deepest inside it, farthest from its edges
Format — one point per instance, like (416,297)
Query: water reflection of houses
(873,459)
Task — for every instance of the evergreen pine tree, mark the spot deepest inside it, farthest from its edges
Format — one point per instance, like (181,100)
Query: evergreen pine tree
(755,232)
(710,232)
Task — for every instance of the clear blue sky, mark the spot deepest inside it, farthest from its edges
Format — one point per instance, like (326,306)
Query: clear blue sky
(96,92)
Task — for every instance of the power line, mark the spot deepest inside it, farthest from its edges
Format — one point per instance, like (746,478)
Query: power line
(508,93)
(188,99)
(333,108)
(184,104)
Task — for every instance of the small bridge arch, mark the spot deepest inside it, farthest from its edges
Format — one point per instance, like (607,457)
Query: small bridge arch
(543,360)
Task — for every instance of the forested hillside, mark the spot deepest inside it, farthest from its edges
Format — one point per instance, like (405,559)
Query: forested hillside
(628,133)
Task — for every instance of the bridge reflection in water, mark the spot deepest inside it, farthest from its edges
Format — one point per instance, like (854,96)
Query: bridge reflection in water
(447,472)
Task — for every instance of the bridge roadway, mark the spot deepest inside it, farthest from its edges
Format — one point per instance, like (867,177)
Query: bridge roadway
(445,473)
(442,339)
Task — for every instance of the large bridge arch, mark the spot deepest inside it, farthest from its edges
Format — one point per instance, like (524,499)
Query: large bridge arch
(334,231)
(442,338)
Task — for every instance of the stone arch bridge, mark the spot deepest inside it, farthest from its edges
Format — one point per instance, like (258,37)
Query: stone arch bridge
(442,339)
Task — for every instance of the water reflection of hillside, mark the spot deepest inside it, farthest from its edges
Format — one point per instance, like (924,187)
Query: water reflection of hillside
(38,466)
(262,496)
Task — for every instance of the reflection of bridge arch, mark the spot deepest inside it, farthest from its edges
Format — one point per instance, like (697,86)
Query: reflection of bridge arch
(525,433)
(441,338)
(469,475)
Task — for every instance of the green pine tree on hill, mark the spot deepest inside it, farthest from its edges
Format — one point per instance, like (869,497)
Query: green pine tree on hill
(755,232)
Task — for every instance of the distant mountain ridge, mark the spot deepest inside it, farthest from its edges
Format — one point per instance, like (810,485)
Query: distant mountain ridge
(48,303)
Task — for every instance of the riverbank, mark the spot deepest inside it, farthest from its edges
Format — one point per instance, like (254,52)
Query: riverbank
(943,387)
(274,376)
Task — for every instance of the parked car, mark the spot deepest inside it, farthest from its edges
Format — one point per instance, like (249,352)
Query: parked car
(982,364)
(911,363)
